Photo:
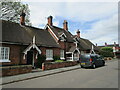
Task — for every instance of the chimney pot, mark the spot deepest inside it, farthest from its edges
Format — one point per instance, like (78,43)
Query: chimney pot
(50,20)
(65,25)
(96,44)
(78,33)
(22,18)
(114,43)
(105,44)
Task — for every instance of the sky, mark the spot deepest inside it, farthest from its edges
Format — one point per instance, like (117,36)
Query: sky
(97,21)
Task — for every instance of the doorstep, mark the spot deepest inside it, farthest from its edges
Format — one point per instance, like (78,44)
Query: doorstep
(37,70)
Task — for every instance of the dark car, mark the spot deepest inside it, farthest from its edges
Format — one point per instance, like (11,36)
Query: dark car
(91,60)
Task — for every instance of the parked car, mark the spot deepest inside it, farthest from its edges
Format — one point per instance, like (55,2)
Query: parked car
(91,60)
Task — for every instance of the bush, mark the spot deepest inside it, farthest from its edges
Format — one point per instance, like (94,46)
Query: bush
(59,61)
(56,58)
(108,49)
(106,52)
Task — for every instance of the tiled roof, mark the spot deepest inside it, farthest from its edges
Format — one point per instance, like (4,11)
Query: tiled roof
(15,33)
(58,31)
(85,44)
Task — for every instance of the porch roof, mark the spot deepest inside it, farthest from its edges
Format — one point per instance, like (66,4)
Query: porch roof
(72,49)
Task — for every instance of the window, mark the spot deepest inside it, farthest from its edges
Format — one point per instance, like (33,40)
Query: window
(62,54)
(4,54)
(49,54)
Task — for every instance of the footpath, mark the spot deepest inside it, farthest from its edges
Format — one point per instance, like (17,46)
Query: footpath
(35,74)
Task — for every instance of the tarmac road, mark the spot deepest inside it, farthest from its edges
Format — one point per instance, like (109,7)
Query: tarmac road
(101,77)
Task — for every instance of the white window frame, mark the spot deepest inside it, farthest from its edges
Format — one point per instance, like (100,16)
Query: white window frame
(49,54)
(4,57)
(62,54)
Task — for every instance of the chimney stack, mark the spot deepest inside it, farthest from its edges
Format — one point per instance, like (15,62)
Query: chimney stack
(78,33)
(114,43)
(105,44)
(96,44)
(22,18)
(65,25)
(50,20)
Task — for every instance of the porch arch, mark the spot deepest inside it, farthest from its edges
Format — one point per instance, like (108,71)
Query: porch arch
(34,46)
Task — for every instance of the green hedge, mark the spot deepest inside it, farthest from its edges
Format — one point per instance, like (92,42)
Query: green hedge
(59,60)
(106,52)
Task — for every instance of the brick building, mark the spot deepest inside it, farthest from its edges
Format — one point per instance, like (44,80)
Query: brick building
(22,44)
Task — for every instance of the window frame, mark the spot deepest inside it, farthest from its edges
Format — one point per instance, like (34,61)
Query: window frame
(4,56)
(49,54)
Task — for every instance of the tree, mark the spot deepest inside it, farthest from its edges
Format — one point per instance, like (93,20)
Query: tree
(106,52)
(10,10)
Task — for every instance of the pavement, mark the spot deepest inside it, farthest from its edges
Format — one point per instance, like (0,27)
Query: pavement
(35,74)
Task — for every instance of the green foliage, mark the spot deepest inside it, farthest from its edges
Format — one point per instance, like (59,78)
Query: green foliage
(41,59)
(59,60)
(109,49)
(106,52)
(11,10)
(56,58)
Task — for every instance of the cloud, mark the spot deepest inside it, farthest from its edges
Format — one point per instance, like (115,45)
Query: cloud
(73,11)
(103,31)
(90,11)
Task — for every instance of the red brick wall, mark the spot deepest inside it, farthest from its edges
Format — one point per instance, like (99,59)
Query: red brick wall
(56,51)
(14,70)
(62,45)
(48,65)
(66,45)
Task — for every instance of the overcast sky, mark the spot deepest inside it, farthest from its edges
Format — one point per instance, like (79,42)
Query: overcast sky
(97,21)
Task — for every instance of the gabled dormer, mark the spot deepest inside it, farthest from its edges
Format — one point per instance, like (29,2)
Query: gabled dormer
(63,37)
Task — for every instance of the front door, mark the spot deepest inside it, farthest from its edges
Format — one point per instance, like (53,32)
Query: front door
(29,57)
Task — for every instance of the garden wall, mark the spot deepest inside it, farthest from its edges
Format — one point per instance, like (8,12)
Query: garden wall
(54,65)
(14,70)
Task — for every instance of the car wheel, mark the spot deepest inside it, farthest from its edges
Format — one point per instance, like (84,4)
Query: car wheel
(81,66)
(104,64)
(93,66)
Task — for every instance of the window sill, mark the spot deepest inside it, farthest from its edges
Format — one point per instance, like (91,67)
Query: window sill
(49,58)
(62,58)
(5,60)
